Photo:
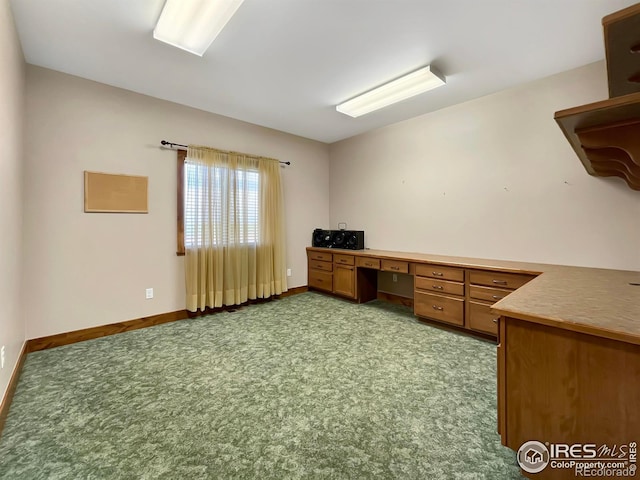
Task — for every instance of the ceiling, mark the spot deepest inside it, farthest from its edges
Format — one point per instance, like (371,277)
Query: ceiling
(285,64)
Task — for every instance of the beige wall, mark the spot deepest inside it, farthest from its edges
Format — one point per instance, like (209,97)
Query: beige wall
(490,178)
(12,67)
(84,270)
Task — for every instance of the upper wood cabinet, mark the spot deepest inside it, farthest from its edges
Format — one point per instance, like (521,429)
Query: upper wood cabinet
(606,135)
(622,46)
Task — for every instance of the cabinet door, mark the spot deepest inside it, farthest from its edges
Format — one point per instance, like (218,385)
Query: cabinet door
(344,281)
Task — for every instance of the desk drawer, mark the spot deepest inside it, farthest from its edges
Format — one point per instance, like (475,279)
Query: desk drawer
(442,273)
(439,307)
(318,265)
(488,294)
(368,262)
(499,279)
(344,259)
(321,280)
(325,257)
(481,318)
(395,266)
(439,286)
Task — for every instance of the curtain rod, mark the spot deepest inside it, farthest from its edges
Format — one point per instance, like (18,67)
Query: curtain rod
(171,145)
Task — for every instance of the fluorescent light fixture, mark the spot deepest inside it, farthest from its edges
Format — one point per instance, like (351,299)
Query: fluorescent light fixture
(414,83)
(193,25)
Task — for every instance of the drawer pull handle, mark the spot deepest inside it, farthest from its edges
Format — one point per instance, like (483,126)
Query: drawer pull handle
(395,268)
(497,297)
(437,287)
(495,320)
(438,274)
(500,282)
(436,307)
(367,264)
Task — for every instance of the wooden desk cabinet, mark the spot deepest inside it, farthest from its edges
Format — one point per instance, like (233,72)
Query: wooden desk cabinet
(486,288)
(445,293)
(320,271)
(561,386)
(439,293)
(344,275)
(337,273)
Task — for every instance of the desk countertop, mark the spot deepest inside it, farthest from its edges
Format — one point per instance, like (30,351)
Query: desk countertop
(594,301)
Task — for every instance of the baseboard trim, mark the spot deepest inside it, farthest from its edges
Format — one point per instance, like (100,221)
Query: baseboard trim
(293,291)
(52,341)
(67,338)
(11,388)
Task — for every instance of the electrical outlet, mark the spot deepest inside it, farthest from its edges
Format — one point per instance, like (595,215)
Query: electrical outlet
(288,272)
(149,293)
(395,277)
(2,357)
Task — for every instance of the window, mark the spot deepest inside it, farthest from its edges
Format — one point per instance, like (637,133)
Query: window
(244,225)
(241,210)
(230,227)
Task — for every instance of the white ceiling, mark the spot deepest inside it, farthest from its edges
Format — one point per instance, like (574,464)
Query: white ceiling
(285,64)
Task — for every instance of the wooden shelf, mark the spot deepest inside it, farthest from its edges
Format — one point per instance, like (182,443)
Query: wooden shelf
(622,44)
(606,136)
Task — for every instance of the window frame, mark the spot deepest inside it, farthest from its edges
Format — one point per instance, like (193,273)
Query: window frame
(182,155)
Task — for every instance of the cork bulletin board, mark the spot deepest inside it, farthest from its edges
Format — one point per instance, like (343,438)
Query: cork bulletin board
(110,193)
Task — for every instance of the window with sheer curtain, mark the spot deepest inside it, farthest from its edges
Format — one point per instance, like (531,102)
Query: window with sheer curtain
(233,224)
(242,227)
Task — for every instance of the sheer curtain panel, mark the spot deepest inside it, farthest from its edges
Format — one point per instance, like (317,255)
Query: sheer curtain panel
(233,228)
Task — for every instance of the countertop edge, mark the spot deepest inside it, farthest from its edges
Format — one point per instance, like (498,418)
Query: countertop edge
(601,332)
(528,268)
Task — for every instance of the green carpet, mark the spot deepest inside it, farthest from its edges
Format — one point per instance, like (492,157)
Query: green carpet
(304,387)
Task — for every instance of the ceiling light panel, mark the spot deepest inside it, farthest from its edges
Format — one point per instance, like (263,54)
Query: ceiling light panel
(193,25)
(414,83)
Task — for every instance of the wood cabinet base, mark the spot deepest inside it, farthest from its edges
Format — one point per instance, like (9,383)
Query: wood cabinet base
(560,386)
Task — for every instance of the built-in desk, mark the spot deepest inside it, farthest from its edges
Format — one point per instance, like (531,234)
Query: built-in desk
(568,337)
(569,361)
(452,290)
